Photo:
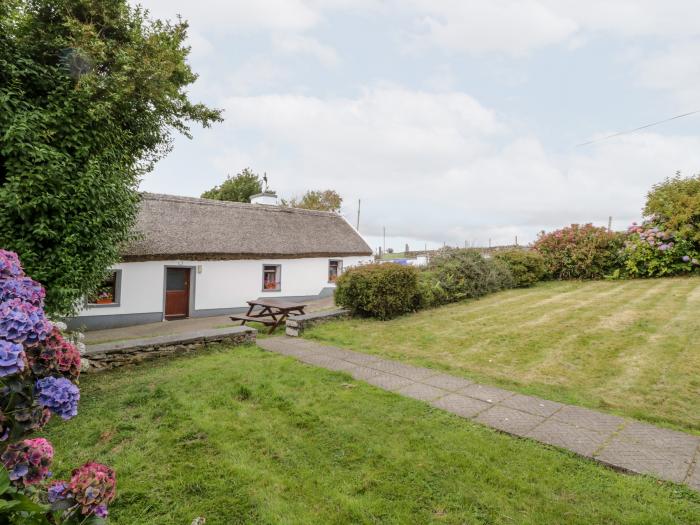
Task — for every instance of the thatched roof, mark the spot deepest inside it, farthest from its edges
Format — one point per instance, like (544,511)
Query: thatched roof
(171,227)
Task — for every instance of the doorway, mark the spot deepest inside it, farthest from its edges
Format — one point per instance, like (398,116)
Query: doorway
(177,293)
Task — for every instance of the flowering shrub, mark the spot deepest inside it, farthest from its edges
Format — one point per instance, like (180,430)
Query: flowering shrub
(580,252)
(39,369)
(652,251)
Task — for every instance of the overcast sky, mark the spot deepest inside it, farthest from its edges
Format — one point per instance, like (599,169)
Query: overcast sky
(452,120)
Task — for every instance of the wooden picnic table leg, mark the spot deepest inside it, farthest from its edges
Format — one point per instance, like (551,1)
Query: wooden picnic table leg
(283,316)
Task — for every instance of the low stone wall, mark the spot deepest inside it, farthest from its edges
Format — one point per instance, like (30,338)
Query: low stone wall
(296,324)
(111,355)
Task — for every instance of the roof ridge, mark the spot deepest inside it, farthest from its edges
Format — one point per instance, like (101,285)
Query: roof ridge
(213,202)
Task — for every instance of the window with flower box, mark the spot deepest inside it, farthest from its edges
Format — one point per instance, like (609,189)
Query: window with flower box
(272,278)
(335,268)
(108,292)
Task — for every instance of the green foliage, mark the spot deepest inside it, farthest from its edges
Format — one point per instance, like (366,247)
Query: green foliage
(651,251)
(580,252)
(455,274)
(327,200)
(236,189)
(90,94)
(378,290)
(526,266)
(674,204)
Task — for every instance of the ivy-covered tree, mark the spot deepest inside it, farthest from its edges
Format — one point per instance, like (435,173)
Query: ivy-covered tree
(236,189)
(91,92)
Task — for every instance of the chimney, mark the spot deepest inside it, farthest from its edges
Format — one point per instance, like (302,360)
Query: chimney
(268,198)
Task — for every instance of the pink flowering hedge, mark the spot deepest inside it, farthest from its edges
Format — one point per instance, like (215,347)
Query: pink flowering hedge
(39,370)
(580,252)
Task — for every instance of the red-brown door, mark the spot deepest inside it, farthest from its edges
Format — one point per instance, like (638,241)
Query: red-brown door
(177,292)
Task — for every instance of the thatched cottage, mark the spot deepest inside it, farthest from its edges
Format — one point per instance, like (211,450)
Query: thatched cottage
(200,257)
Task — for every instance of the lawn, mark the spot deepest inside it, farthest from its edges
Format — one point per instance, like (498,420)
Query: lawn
(243,436)
(628,347)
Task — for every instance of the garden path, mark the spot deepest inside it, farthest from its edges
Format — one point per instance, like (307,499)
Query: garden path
(617,442)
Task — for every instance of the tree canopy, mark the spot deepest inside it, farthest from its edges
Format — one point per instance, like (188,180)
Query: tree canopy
(675,204)
(91,92)
(236,189)
(326,200)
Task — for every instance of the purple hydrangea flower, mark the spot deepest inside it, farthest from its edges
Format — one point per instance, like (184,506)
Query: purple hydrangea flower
(58,491)
(19,471)
(22,288)
(663,247)
(11,358)
(22,322)
(101,511)
(686,258)
(10,265)
(60,396)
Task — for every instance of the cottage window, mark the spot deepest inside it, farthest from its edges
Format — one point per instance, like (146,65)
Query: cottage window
(272,281)
(108,292)
(335,268)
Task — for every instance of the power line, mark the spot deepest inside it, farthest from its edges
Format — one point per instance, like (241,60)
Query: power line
(637,129)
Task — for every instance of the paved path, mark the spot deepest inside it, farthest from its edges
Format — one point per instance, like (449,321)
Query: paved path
(614,441)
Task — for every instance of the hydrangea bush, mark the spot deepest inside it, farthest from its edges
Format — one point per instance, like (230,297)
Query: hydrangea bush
(39,370)
(653,251)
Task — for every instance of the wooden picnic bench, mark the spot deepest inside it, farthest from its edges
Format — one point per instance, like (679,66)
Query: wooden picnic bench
(272,312)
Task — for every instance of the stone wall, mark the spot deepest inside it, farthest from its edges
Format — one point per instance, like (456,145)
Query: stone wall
(111,355)
(296,324)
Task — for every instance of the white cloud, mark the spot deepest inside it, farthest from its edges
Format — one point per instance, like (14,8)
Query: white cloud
(444,167)
(676,69)
(299,44)
(515,27)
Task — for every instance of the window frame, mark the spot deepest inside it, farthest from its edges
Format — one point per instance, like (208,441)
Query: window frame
(117,299)
(339,269)
(278,277)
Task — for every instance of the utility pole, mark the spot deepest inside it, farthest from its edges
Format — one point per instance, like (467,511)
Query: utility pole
(359,202)
(384,236)
(489,242)
(516,240)
(610,223)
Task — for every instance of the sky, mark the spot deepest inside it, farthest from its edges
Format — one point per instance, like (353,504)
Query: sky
(453,121)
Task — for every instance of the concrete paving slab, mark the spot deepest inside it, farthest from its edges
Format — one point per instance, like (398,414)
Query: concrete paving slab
(490,394)
(400,369)
(422,392)
(460,405)
(363,373)
(509,420)
(589,419)
(388,381)
(580,440)
(446,382)
(532,405)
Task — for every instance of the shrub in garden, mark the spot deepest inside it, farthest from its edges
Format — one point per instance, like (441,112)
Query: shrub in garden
(526,266)
(651,251)
(39,370)
(378,290)
(580,252)
(674,205)
(463,274)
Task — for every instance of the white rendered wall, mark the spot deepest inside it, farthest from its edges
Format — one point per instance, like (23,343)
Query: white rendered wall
(221,284)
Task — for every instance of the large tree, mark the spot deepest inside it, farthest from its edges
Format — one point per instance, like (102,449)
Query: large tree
(91,92)
(327,200)
(236,189)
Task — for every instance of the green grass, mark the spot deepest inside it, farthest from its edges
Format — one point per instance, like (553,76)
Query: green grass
(628,347)
(244,436)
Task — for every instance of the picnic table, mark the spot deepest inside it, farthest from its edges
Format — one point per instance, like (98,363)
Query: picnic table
(272,312)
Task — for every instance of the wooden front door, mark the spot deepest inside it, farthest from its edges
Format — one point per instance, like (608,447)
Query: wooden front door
(177,292)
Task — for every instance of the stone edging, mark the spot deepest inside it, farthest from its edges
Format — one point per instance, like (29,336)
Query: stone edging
(111,355)
(296,324)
